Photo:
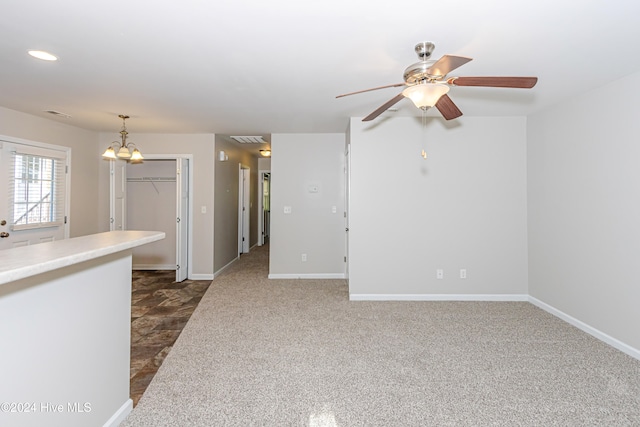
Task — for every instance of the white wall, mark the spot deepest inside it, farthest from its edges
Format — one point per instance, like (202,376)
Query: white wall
(201,146)
(584,208)
(264,163)
(301,161)
(84,162)
(464,207)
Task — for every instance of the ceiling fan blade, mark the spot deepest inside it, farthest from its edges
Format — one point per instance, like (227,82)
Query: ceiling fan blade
(514,82)
(383,107)
(369,90)
(447,108)
(447,63)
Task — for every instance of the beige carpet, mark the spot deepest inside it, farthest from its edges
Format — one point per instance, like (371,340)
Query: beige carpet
(260,352)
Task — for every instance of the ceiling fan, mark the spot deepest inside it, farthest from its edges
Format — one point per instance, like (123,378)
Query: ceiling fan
(427,85)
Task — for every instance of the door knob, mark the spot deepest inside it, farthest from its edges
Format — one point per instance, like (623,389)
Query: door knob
(4,234)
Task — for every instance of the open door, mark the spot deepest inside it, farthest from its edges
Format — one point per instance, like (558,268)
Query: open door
(243,209)
(118,199)
(182,220)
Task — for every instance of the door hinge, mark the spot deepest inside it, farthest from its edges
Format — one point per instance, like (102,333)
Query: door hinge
(345,259)
(177,267)
(65,219)
(66,168)
(178,220)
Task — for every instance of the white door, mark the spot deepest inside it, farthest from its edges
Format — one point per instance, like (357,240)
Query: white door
(118,200)
(243,210)
(182,220)
(347,177)
(33,193)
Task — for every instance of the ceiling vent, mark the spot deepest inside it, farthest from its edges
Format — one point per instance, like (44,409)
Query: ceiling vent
(58,113)
(249,139)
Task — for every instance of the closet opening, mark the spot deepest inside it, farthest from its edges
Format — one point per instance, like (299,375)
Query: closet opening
(154,195)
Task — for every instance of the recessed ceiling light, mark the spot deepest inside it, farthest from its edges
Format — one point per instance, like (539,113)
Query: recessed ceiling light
(41,54)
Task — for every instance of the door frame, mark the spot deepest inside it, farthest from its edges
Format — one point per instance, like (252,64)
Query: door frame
(176,157)
(244,201)
(347,198)
(67,151)
(261,174)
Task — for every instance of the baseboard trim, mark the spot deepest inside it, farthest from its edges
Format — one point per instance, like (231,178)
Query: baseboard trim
(220,271)
(438,297)
(153,266)
(201,277)
(308,276)
(120,415)
(613,342)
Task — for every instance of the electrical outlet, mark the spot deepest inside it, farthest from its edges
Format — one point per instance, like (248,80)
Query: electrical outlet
(304,257)
(439,273)
(463,273)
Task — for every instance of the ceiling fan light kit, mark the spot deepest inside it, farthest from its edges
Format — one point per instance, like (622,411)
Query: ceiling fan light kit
(427,85)
(426,95)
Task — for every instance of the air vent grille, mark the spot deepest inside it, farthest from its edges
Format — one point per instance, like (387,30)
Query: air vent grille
(249,139)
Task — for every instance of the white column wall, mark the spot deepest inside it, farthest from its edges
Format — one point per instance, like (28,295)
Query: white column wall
(584,208)
(301,163)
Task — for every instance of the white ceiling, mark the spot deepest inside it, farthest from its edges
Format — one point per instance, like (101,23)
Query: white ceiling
(255,67)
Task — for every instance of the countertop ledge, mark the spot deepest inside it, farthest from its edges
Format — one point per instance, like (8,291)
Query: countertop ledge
(26,261)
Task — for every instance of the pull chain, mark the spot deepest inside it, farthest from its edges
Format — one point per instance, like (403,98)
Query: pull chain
(424,136)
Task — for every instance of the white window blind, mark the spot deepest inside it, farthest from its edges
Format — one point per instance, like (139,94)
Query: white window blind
(37,189)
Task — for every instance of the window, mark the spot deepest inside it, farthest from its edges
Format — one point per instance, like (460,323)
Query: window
(37,190)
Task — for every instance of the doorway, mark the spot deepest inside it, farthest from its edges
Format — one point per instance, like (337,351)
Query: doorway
(264,208)
(154,195)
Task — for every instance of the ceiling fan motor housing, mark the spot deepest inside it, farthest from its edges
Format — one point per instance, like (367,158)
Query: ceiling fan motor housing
(419,72)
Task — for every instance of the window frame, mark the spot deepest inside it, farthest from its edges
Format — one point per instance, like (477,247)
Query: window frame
(36,175)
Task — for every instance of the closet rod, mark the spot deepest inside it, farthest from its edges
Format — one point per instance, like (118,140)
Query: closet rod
(152,179)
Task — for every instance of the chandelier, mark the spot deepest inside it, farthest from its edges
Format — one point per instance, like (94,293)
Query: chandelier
(123,150)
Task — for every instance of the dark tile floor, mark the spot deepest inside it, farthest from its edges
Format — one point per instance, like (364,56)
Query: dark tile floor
(160,308)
